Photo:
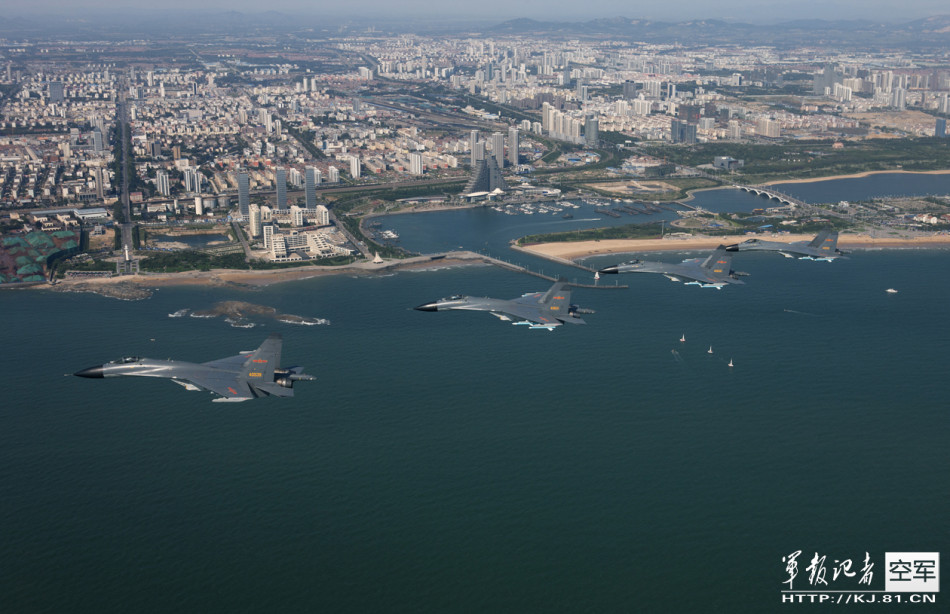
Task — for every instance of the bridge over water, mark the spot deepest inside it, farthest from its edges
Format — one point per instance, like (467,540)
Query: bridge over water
(772,194)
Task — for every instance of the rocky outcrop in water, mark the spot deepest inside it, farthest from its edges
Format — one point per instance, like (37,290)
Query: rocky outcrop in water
(237,312)
(123,290)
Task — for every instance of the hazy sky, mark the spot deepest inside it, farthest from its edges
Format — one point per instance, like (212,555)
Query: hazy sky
(501,10)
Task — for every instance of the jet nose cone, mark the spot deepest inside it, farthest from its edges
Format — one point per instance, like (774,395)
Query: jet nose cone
(90,372)
(732,248)
(611,270)
(427,307)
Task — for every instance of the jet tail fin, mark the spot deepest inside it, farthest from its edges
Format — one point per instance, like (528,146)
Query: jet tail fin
(557,297)
(719,263)
(826,241)
(260,364)
(556,302)
(548,296)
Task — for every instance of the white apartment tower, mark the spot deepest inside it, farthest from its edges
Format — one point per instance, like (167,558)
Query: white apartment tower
(255,225)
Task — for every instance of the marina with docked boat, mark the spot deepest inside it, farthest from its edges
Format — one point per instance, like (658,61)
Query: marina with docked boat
(610,207)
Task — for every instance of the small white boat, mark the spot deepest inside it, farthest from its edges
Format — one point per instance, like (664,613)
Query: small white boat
(596,275)
(709,351)
(891,291)
(683,338)
(730,363)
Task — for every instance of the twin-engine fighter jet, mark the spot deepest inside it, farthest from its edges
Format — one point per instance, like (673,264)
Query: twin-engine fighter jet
(243,377)
(713,272)
(537,310)
(823,247)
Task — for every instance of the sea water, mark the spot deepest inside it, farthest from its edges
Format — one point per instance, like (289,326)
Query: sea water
(453,462)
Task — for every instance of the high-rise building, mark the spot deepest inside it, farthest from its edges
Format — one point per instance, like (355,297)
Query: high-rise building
(480,151)
(56,91)
(899,98)
(267,230)
(161,181)
(629,90)
(100,175)
(768,128)
(472,144)
(255,222)
(355,167)
(735,129)
(591,132)
(188,179)
(486,177)
(295,178)
(296,216)
(310,186)
(280,178)
(940,129)
(415,163)
(97,141)
(199,205)
(826,79)
(322,216)
(944,104)
(514,144)
(498,148)
(244,194)
(682,132)
(333,174)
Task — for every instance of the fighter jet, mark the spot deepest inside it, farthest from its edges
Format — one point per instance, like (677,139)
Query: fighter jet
(243,377)
(823,247)
(713,272)
(536,310)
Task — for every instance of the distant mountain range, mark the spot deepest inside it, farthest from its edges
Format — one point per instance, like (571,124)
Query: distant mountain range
(126,23)
(929,31)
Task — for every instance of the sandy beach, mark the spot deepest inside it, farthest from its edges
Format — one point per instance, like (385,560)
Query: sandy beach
(583,249)
(856,176)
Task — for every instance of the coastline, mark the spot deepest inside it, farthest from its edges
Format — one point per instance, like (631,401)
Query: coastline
(133,287)
(856,176)
(583,249)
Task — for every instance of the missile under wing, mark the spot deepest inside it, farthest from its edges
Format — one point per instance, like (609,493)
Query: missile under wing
(714,271)
(823,247)
(537,310)
(245,376)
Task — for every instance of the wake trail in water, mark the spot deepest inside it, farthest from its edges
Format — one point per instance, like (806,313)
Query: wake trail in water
(802,313)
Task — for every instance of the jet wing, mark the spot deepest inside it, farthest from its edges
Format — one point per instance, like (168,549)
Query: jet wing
(532,313)
(231,363)
(226,384)
(234,377)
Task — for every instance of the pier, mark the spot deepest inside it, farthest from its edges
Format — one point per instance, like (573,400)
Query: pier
(473,256)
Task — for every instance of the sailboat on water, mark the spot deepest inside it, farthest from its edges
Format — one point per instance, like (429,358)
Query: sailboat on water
(730,363)
(709,351)
(683,338)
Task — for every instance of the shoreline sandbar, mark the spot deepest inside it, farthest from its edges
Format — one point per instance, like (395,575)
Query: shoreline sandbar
(584,249)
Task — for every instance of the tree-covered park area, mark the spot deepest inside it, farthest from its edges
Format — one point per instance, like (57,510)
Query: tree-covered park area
(805,159)
(192,260)
(627,231)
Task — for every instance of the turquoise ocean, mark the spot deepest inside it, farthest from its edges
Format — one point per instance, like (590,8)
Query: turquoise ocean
(450,462)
